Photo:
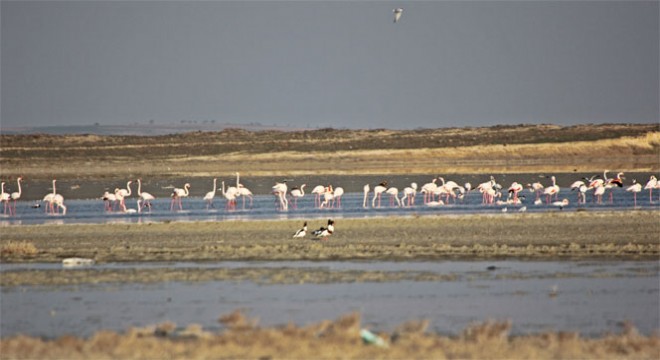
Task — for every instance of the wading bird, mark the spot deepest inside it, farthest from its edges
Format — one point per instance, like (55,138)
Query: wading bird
(144,197)
(178,194)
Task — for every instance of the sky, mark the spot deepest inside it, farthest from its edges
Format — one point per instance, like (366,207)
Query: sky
(340,64)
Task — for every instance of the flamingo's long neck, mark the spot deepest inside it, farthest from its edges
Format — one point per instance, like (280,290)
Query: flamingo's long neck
(139,187)
(128,187)
(54,193)
(3,188)
(214,185)
(223,188)
(19,186)
(185,189)
(302,189)
(238,182)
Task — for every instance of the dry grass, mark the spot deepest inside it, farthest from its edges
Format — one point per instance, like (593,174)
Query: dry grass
(503,149)
(18,249)
(329,340)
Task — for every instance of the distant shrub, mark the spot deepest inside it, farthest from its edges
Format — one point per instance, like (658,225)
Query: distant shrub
(22,248)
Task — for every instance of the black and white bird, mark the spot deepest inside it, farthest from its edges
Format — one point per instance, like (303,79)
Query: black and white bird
(301,232)
(397,14)
(324,232)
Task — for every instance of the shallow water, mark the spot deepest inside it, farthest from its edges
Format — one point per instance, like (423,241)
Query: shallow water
(592,297)
(264,207)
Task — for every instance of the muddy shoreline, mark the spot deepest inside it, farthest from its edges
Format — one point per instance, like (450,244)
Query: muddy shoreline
(629,235)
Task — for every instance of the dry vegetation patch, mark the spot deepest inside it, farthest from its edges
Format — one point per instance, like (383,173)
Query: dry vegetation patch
(264,153)
(242,338)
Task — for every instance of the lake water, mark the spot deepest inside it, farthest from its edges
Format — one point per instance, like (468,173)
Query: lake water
(264,207)
(592,297)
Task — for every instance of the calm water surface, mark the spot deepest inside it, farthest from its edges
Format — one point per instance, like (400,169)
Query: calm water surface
(592,297)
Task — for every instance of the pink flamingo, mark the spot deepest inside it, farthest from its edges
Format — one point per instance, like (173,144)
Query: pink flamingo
(650,185)
(49,199)
(318,190)
(16,195)
(211,195)
(393,192)
(378,191)
(230,195)
(108,199)
(634,188)
(297,193)
(337,194)
(178,194)
(280,190)
(514,189)
(366,188)
(409,192)
(243,192)
(145,197)
(124,193)
(551,190)
(4,197)
(428,190)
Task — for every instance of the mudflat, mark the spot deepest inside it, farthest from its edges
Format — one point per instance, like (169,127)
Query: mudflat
(551,235)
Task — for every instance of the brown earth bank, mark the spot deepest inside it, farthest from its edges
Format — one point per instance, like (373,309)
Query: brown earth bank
(500,149)
(339,339)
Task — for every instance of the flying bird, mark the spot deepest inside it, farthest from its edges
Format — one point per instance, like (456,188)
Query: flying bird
(397,14)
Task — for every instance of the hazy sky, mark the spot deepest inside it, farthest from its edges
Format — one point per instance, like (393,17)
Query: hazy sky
(330,63)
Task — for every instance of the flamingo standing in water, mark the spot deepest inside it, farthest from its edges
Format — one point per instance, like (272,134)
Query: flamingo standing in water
(551,190)
(366,188)
(634,188)
(211,195)
(428,190)
(336,196)
(280,190)
(16,195)
(611,183)
(108,200)
(449,189)
(145,197)
(378,191)
(49,199)
(124,193)
(408,197)
(58,200)
(487,190)
(178,194)
(598,193)
(328,197)
(4,197)
(318,190)
(650,185)
(297,193)
(230,195)
(536,188)
(243,192)
(393,192)
(514,189)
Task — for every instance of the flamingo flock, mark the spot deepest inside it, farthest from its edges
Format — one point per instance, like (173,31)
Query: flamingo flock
(438,191)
